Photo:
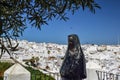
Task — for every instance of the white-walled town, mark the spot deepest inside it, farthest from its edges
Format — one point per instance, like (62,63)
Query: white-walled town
(50,56)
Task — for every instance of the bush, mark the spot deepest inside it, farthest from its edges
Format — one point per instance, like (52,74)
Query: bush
(37,75)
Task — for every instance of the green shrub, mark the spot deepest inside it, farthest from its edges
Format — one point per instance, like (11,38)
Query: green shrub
(37,75)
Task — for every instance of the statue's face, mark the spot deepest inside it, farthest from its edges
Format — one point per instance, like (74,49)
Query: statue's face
(71,42)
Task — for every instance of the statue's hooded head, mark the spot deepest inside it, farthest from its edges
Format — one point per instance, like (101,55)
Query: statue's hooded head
(74,43)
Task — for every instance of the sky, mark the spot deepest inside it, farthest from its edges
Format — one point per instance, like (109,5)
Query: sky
(103,27)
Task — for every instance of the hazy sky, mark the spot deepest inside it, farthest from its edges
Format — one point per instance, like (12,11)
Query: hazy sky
(103,27)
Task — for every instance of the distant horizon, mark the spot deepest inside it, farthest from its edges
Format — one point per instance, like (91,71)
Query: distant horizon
(67,43)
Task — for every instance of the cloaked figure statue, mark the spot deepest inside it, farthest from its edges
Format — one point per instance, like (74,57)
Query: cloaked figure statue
(73,66)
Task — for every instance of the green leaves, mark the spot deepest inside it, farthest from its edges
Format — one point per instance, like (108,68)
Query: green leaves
(39,12)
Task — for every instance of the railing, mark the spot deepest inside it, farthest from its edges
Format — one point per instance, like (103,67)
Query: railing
(107,76)
(100,74)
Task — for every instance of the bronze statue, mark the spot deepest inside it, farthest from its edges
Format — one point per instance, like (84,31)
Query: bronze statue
(73,66)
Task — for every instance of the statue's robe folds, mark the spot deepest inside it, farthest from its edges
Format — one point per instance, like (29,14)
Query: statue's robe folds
(74,66)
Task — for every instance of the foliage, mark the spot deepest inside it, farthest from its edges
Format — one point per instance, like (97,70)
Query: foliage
(15,13)
(48,51)
(4,66)
(37,75)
